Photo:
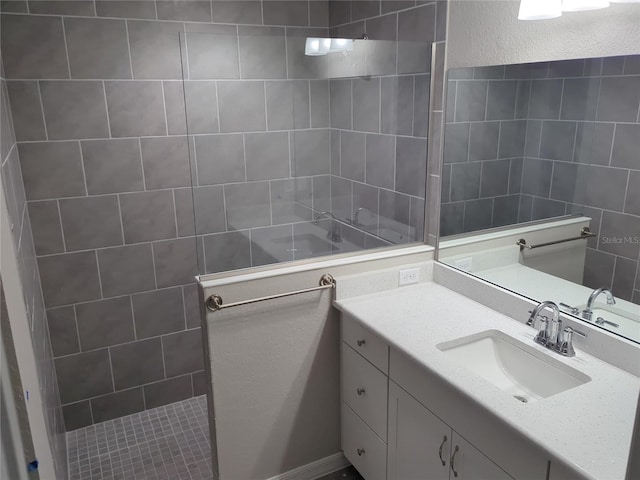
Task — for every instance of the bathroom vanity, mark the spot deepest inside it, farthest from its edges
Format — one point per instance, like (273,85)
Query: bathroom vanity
(422,396)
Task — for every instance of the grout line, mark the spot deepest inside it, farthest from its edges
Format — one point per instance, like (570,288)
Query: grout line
(144,180)
(113,382)
(133,318)
(613,141)
(153,262)
(99,276)
(126,26)
(75,321)
(184,307)
(66,48)
(84,173)
(121,223)
(64,244)
(44,119)
(175,214)
(164,106)
(106,107)
(155,5)
(164,363)
(238,52)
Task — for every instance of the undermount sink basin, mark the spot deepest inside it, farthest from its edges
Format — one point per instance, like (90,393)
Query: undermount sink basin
(514,367)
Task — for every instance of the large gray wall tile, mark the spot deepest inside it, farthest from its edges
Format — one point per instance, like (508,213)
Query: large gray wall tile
(77,415)
(580,99)
(619,99)
(248,205)
(352,155)
(91,222)
(202,108)
(495,178)
(465,181)
(80,271)
(416,32)
(632,202)
(183,352)
(593,186)
(164,392)
(544,208)
(242,106)
(625,146)
(175,261)
(47,231)
(616,230)
(112,166)
(155,50)
(624,277)
(237,11)
(210,215)
(319,101)
(267,155)
(422,86)
(148,216)
(593,143)
(483,141)
(366,105)
(411,165)
(191,304)
(262,52)
(220,159)
(174,94)
(288,12)
(396,105)
(63,331)
(105,323)
(456,142)
(598,269)
(166,162)
(545,100)
(558,139)
(512,138)
(213,54)
(158,312)
(227,251)
(146,355)
(126,269)
(381,160)
(84,375)
(42,37)
(74,109)
(26,110)
(501,101)
(185,221)
(341,103)
(477,214)
(471,101)
(536,177)
(135,108)
(61,7)
(126,9)
(118,404)
(311,153)
(97,48)
(196,10)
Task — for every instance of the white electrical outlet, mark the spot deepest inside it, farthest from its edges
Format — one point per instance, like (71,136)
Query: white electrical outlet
(411,275)
(464,264)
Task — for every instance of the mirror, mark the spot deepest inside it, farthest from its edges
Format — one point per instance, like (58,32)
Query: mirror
(541,184)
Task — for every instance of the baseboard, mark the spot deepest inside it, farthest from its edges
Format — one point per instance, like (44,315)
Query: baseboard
(316,469)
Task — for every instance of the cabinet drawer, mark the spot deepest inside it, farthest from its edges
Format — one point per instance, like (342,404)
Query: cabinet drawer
(364,389)
(366,343)
(362,447)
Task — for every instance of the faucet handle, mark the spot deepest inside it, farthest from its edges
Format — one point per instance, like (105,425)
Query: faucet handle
(565,345)
(542,337)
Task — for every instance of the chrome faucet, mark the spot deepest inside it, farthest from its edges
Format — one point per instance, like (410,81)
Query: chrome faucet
(548,335)
(551,334)
(587,313)
(334,233)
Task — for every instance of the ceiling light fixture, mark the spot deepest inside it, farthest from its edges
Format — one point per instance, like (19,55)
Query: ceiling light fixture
(539,9)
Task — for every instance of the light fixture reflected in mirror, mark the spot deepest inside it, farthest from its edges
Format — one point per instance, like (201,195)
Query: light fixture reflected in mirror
(315,46)
(539,9)
(583,5)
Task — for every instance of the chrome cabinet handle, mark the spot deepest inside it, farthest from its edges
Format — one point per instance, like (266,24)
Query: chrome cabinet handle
(453,460)
(360,391)
(360,452)
(444,440)
(360,342)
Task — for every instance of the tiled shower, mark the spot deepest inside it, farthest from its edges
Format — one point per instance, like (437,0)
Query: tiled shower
(128,114)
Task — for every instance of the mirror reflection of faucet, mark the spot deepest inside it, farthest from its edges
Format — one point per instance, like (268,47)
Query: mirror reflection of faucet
(587,313)
(334,233)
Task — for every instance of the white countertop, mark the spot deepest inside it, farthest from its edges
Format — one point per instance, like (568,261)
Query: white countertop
(588,427)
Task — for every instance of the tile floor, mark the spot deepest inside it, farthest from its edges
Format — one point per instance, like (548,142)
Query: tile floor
(166,443)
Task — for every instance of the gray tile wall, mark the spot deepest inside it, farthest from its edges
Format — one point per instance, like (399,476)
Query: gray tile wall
(579,154)
(380,117)
(97,95)
(23,238)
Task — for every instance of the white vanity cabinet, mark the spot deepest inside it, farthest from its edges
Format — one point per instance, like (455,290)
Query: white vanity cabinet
(389,435)
(421,446)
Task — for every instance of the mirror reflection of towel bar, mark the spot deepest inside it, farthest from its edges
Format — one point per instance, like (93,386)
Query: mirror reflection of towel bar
(584,233)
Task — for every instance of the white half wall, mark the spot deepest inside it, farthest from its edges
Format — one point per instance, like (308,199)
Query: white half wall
(488,32)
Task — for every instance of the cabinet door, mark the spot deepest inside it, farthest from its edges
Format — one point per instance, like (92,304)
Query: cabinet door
(468,463)
(419,442)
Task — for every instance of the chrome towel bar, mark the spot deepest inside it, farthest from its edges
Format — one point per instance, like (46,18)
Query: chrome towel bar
(584,233)
(214,302)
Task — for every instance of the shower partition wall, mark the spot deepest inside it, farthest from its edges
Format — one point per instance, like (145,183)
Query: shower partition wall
(295,156)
